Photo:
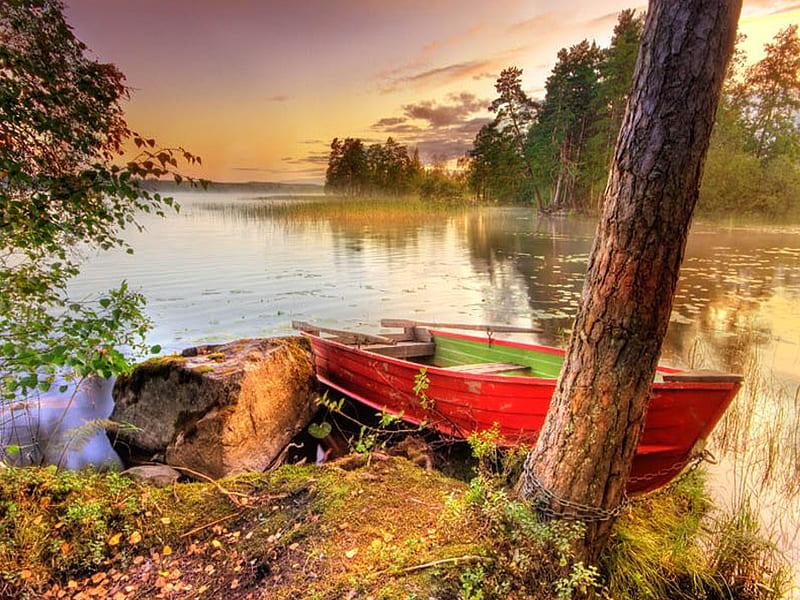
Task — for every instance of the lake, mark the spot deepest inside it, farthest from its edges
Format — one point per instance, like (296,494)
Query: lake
(230,266)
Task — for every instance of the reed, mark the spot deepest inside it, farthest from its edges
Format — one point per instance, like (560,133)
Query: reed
(757,483)
(353,211)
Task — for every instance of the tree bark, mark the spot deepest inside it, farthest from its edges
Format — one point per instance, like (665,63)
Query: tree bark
(589,438)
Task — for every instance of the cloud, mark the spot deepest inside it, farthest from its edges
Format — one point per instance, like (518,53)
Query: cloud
(785,9)
(773,6)
(543,21)
(388,122)
(453,40)
(312,158)
(404,128)
(606,19)
(438,76)
(280,98)
(445,115)
(438,129)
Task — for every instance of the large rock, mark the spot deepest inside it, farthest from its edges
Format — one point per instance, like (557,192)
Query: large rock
(219,410)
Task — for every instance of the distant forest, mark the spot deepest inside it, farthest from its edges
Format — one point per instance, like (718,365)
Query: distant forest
(250,187)
(555,152)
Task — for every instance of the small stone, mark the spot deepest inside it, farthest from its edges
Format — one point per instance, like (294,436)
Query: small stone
(157,475)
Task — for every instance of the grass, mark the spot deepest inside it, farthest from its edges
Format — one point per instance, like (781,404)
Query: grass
(758,478)
(347,213)
(383,528)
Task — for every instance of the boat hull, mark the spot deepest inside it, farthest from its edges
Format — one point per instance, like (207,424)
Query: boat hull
(680,415)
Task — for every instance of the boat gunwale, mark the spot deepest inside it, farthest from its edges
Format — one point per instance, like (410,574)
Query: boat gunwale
(516,379)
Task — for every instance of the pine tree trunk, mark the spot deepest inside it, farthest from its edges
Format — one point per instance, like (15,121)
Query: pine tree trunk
(586,446)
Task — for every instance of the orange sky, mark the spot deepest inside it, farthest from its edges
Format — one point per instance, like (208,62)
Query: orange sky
(258,88)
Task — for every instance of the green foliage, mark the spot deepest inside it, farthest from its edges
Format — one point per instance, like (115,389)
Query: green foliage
(421,384)
(557,151)
(320,430)
(499,168)
(675,544)
(354,170)
(532,558)
(752,164)
(557,142)
(63,520)
(62,126)
(471,580)
(570,136)
(386,170)
(437,185)
(387,427)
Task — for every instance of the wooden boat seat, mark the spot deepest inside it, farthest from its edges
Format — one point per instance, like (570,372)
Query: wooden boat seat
(488,368)
(403,349)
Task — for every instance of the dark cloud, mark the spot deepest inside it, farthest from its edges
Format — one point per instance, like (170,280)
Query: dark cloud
(280,98)
(313,158)
(388,122)
(404,128)
(438,129)
(484,75)
(445,115)
(450,142)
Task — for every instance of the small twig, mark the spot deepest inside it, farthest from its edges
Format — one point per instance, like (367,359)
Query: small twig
(445,561)
(278,460)
(211,524)
(227,493)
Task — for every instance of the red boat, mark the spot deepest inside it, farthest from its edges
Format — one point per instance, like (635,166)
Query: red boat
(477,383)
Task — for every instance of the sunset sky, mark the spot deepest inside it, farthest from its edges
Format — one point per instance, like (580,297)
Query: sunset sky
(259,88)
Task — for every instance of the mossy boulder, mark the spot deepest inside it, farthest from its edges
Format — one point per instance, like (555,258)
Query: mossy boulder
(219,410)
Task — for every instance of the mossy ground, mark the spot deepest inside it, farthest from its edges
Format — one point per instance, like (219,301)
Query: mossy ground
(299,532)
(384,529)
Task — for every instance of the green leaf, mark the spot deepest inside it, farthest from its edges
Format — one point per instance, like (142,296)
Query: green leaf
(105,302)
(155,349)
(12,450)
(320,430)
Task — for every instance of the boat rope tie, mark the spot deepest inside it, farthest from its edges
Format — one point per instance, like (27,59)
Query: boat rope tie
(552,506)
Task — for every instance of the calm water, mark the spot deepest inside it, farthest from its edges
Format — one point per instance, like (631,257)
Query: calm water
(230,267)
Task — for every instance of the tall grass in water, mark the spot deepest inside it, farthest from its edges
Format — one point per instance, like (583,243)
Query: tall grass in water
(675,544)
(757,483)
(352,212)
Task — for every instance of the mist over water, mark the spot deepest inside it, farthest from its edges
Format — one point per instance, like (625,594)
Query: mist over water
(229,266)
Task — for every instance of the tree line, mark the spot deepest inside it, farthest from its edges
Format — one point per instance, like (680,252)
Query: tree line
(355,169)
(555,152)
